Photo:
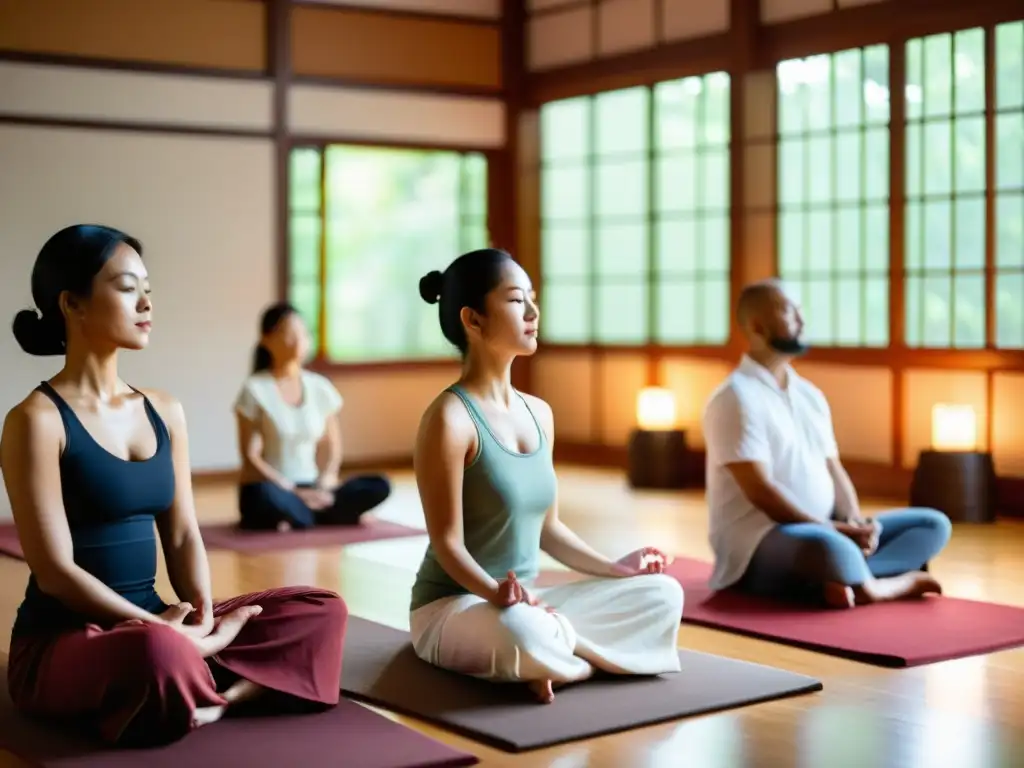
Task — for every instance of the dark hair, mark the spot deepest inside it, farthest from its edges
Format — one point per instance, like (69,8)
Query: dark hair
(271,318)
(68,261)
(465,283)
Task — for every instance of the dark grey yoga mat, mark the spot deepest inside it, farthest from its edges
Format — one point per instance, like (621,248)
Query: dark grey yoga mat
(381,668)
(348,735)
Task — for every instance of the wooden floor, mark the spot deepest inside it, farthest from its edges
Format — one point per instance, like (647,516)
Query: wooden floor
(961,714)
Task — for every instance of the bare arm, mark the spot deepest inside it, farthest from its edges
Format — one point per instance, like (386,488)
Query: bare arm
(736,439)
(768,496)
(444,441)
(250,443)
(847,503)
(30,450)
(332,440)
(556,538)
(187,563)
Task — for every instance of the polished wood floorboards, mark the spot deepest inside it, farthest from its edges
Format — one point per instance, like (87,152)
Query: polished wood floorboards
(967,713)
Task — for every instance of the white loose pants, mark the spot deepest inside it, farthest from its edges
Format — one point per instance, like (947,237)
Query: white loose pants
(622,626)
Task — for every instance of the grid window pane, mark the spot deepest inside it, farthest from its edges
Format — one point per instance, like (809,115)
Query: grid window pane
(304,180)
(1009,192)
(625,218)
(947,156)
(833,192)
(386,218)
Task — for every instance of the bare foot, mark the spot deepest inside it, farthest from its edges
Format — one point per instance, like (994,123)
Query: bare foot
(207,715)
(543,691)
(839,595)
(907,586)
(242,691)
(284,526)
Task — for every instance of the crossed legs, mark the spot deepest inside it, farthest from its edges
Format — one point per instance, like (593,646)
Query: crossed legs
(808,561)
(265,506)
(138,684)
(620,626)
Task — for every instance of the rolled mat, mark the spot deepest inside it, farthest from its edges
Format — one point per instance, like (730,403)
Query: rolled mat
(349,735)
(228,536)
(381,668)
(899,634)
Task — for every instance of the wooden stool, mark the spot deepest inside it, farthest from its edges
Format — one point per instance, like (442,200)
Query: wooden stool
(961,484)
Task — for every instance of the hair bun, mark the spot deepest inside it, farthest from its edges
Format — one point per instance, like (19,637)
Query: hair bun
(35,335)
(430,286)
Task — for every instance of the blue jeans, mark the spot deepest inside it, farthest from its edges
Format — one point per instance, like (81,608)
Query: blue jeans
(797,559)
(264,505)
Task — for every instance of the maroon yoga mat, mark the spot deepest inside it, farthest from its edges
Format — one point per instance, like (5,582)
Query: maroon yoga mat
(229,536)
(9,544)
(349,735)
(899,634)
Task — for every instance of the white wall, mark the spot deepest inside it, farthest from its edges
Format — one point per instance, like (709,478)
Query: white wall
(201,207)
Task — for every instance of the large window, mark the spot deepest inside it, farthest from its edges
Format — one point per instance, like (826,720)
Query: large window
(948,291)
(365,224)
(833,193)
(1009,192)
(944,255)
(635,215)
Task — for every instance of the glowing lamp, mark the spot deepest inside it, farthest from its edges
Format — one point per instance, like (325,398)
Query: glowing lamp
(655,409)
(954,428)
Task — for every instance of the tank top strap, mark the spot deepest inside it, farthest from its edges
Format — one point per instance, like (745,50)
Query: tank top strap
(72,423)
(474,411)
(67,416)
(162,433)
(483,428)
(540,430)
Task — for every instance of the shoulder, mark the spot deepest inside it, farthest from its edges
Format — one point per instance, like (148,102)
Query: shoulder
(35,418)
(542,411)
(318,381)
(812,394)
(446,415)
(167,406)
(253,383)
(320,384)
(728,397)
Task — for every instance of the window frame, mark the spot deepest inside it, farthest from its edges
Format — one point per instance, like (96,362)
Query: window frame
(653,155)
(319,361)
(897,354)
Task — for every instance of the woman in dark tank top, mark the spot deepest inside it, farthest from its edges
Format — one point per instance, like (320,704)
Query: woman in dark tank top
(94,468)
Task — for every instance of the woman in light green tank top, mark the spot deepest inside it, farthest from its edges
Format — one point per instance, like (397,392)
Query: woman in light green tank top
(487,483)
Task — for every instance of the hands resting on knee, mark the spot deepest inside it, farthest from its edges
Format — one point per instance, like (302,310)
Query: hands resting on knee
(641,561)
(865,534)
(211,635)
(511,592)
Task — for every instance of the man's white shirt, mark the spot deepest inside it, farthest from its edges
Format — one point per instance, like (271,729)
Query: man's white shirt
(751,418)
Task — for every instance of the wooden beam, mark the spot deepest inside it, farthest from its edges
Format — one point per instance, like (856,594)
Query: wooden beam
(279,60)
(851,27)
(876,23)
(666,62)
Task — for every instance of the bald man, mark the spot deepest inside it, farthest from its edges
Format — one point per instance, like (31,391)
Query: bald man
(785,518)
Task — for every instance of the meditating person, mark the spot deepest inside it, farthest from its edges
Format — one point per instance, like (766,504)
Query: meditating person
(94,468)
(289,433)
(785,520)
(483,463)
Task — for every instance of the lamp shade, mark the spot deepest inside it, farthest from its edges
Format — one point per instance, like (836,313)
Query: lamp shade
(655,408)
(954,428)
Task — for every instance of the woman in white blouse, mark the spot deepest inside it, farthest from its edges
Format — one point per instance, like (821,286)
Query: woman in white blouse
(286,416)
